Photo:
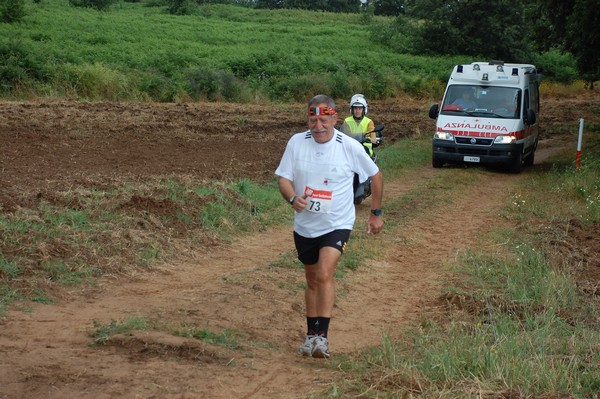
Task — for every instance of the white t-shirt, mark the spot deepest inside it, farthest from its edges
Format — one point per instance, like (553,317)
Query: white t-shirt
(325,172)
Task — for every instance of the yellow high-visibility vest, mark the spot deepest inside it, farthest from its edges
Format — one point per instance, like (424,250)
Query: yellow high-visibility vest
(357,128)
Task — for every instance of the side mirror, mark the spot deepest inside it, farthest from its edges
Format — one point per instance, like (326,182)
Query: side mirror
(434,111)
(529,117)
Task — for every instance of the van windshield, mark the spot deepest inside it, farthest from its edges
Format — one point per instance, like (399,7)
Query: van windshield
(482,101)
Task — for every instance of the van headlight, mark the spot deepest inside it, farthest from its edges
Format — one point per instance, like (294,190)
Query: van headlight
(504,139)
(443,136)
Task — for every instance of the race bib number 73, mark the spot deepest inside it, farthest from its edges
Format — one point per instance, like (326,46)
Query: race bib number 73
(319,201)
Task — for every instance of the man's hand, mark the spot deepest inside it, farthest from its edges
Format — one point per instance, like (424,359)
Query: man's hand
(300,203)
(374,224)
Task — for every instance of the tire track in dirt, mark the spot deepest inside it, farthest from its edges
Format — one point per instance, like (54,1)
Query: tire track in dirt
(393,290)
(48,352)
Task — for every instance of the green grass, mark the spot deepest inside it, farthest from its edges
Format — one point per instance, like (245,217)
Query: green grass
(102,332)
(575,192)
(8,268)
(137,51)
(225,338)
(407,154)
(287,260)
(517,336)
(7,296)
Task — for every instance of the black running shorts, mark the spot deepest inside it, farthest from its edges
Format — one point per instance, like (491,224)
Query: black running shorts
(308,248)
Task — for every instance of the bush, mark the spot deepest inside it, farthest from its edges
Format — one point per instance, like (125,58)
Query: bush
(298,88)
(181,7)
(340,84)
(18,66)
(215,85)
(97,82)
(12,10)
(100,5)
(557,65)
(400,35)
(156,86)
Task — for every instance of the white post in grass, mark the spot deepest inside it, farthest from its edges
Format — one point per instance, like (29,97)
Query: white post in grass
(579,139)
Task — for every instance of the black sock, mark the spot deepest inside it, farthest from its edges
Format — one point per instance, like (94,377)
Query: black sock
(313,325)
(322,326)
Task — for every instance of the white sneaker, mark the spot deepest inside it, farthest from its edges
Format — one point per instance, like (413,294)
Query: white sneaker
(320,347)
(307,347)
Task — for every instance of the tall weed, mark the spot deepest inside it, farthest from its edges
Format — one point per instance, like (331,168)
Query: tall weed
(95,82)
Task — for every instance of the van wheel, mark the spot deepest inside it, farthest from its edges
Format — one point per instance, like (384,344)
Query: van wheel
(517,166)
(529,159)
(436,163)
(531,156)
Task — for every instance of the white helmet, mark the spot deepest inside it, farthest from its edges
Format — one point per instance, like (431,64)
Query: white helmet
(359,100)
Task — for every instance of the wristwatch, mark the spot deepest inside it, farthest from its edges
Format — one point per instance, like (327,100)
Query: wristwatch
(376,212)
(292,200)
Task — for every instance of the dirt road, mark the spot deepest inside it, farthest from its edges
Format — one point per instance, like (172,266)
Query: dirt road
(48,352)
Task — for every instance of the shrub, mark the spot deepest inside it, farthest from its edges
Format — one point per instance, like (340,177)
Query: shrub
(97,82)
(181,7)
(400,35)
(12,10)
(156,86)
(557,65)
(18,65)
(340,85)
(100,5)
(299,88)
(214,85)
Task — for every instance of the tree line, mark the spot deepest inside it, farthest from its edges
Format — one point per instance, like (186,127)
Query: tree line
(505,29)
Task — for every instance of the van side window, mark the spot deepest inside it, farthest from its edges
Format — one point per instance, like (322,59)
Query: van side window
(535,96)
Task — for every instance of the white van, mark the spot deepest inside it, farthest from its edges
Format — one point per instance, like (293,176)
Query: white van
(488,116)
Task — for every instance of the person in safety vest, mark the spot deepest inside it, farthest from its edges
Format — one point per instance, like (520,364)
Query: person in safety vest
(357,124)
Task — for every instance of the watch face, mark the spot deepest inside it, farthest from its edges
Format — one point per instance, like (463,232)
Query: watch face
(376,212)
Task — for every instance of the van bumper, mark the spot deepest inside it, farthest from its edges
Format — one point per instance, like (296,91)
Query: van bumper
(445,151)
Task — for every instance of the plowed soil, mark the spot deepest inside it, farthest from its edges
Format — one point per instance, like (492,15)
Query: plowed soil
(48,352)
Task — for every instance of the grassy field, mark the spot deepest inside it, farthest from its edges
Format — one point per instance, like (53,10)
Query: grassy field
(137,51)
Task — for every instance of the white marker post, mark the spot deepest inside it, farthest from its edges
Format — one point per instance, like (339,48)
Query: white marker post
(579,139)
